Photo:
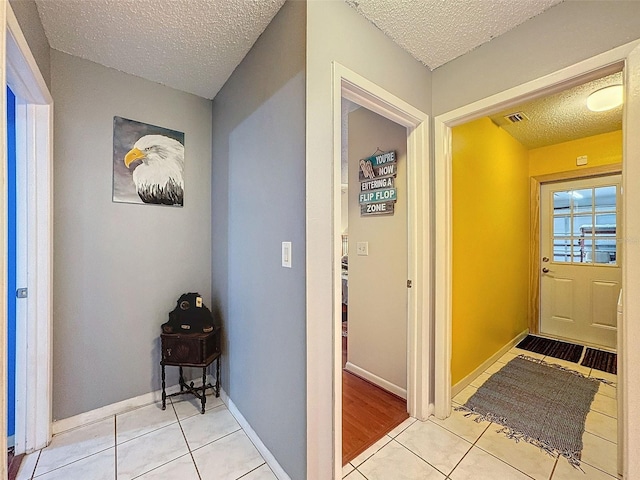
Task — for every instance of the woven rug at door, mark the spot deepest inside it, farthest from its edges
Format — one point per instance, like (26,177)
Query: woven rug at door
(540,403)
(552,348)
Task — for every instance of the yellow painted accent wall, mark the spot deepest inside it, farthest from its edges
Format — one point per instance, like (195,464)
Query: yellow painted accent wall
(490,243)
(601,149)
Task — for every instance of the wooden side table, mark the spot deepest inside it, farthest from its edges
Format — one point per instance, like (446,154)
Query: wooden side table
(197,350)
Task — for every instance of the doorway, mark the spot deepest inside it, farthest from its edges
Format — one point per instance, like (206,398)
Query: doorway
(630,54)
(324,393)
(491,184)
(33,121)
(374,278)
(11,268)
(581,274)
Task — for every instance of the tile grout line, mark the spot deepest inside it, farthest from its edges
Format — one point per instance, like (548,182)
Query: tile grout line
(33,474)
(467,453)
(414,453)
(555,465)
(505,462)
(186,441)
(253,470)
(115,445)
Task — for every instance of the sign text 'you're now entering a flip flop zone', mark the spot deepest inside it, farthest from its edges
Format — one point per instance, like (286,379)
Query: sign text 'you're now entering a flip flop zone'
(378,194)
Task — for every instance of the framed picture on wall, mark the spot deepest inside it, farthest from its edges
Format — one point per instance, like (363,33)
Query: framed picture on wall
(148,164)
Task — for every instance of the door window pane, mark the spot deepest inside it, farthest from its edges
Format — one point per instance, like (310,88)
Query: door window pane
(561,202)
(582,200)
(586,252)
(605,251)
(606,224)
(605,199)
(584,225)
(562,250)
(562,226)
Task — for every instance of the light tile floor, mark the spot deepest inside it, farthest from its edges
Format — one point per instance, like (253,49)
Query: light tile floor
(458,448)
(149,443)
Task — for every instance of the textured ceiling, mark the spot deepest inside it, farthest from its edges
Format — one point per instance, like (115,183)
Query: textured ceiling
(437,31)
(190,45)
(562,116)
(194,45)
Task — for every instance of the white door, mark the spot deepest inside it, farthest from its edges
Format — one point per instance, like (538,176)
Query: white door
(581,274)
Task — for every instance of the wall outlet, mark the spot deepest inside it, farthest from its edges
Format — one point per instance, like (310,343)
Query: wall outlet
(362,248)
(286,254)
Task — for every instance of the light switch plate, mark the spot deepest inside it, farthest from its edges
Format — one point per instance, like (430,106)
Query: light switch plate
(199,302)
(286,254)
(362,248)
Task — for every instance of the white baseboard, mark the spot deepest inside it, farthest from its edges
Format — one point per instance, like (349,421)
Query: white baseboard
(101,413)
(376,380)
(466,381)
(253,436)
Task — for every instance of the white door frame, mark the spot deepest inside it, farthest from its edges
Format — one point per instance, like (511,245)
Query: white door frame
(578,73)
(34,123)
(358,89)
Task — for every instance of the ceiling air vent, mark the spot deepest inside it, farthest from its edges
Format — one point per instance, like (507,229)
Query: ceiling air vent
(516,117)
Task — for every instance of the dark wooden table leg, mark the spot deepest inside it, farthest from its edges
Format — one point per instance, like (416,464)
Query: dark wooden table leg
(218,377)
(204,387)
(181,380)
(164,394)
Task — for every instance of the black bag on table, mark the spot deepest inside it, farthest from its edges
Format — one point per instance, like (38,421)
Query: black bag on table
(190,316)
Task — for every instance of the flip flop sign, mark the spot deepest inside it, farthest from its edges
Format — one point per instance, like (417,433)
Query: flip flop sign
(378,194)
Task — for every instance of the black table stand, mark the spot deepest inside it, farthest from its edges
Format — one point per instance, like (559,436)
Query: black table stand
(198,344)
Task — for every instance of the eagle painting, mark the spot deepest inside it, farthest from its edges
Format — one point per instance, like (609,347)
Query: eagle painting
(158,163)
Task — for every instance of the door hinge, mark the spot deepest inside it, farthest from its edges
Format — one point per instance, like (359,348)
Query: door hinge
(22,293)
(409,283)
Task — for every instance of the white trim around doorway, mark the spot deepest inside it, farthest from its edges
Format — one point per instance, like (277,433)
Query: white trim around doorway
(352,86)
(573,75)
(34,128)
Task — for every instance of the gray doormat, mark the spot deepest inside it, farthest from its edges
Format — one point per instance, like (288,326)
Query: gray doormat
(543,404)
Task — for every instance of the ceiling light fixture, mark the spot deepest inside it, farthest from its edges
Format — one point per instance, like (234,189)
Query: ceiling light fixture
(605,99)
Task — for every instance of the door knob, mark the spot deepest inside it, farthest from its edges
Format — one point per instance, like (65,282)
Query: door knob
(545,259)
(545,270)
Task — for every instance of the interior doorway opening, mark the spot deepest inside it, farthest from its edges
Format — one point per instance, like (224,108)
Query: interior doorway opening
(591,68)
(374,277)
(34,119)
(355,88)
(492,170)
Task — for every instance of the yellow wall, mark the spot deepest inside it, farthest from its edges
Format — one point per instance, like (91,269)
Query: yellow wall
(601,149)
(491,231)
(490,243)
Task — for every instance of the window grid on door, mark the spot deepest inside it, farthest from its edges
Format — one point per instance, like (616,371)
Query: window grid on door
(584,225)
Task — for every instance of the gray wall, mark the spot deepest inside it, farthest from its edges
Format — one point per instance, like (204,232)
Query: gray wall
(377,339)
(563,35)
(337,33)
(29,20)
(258,201)
(119,268)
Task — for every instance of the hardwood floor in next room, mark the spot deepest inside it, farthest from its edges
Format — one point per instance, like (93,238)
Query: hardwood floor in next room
(368,411)
(368,414)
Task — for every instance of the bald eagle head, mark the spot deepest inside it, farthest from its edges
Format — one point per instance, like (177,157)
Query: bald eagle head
(158,178)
